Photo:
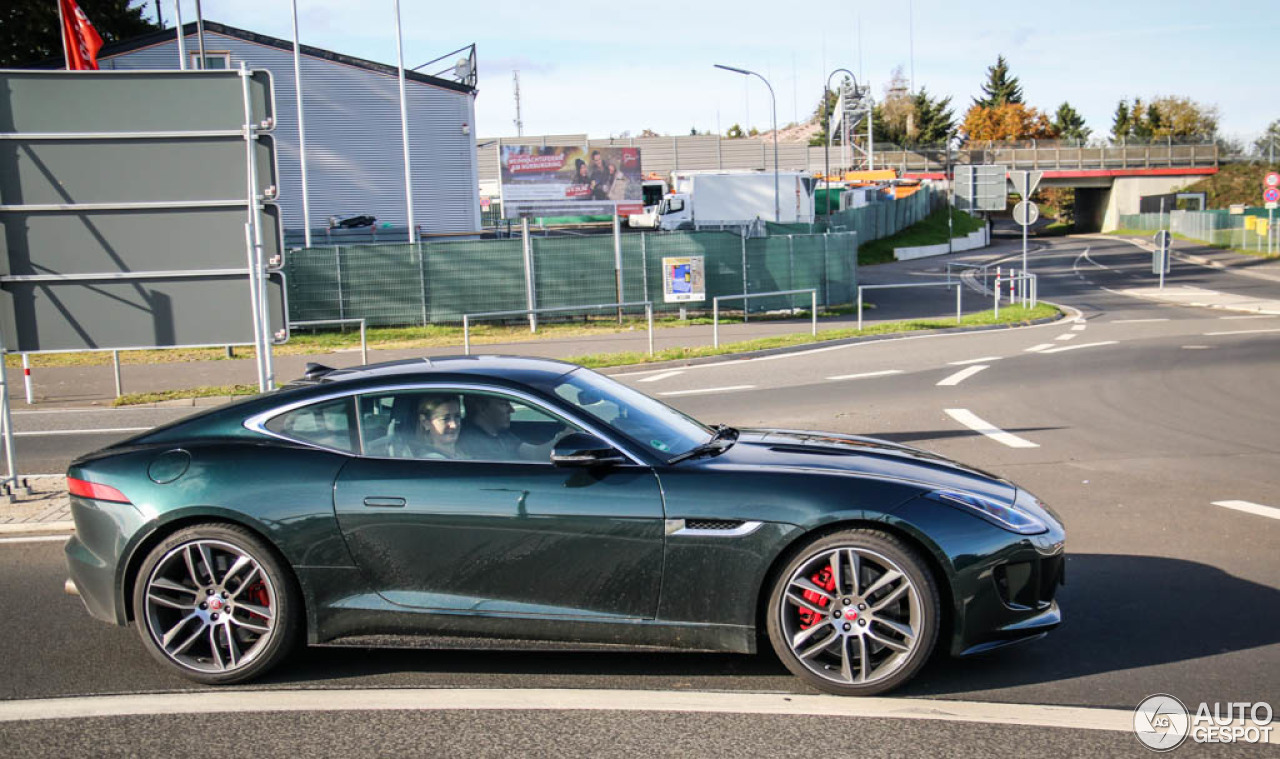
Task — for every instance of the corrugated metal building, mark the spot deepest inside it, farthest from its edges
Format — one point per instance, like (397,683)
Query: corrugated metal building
(355,158)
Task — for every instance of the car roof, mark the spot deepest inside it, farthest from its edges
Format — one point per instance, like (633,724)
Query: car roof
(520,368)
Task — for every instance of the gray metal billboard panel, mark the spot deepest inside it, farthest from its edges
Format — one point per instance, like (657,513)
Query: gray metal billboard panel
(60,316)
(97,242)
(103,171)
(129,101)
(980,187)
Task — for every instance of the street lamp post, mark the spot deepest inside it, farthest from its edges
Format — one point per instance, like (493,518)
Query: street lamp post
(826,126)
(777,207)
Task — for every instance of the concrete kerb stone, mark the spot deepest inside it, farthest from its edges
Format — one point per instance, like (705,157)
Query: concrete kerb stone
(46,511)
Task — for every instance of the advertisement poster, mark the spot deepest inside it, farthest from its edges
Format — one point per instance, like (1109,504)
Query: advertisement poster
(559,180)
(684,279)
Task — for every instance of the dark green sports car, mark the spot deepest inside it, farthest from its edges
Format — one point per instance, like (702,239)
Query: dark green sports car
(532,499)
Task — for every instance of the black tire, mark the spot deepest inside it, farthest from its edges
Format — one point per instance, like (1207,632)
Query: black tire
(862,630)
(236,624)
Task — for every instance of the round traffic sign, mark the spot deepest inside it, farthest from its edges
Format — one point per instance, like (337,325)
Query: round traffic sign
(1026,213)
(1271,195)
(1273,179)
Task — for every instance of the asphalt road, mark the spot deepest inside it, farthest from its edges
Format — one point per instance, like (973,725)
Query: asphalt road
(1136,418)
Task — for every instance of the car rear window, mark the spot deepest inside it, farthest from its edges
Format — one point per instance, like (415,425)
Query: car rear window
(330,424)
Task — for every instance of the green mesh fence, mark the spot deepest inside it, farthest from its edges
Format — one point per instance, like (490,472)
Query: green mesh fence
(438,282)
(1219,228)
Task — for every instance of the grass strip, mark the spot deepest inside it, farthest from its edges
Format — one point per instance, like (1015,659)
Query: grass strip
(931,231)
(208,391)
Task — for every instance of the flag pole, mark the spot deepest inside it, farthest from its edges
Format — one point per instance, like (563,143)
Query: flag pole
(182,42)
(66,49)
(404,127)
(302,130)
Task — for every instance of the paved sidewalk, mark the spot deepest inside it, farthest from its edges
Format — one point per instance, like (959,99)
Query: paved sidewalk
(46,510)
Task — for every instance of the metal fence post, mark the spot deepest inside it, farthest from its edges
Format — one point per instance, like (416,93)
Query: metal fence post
(648,316)
(644,266)
(959,288)
(715,322)
(746,304)
(115,362)
(466,336)
(26,378)
(364,342)
(813,305)
(617,259)
(859,308)
(791,268)
(337,257)
(826,271)
(530,299)
(422,280)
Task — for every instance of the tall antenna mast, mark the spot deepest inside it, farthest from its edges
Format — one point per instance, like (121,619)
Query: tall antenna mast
(515,81)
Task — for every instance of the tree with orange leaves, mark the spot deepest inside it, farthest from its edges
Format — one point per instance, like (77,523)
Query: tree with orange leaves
(1008,121)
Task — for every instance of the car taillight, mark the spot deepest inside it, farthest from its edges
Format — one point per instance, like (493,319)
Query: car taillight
(93,490)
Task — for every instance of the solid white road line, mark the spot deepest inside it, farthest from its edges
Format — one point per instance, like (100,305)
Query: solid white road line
(863,375)
(1038,348)
(1251,508)
(1137,321)
(661,376)
(1241,332)
(977,424)
(982,360)
(110,431)
(1078,327)
(37,539)
(1068,336)
(564,699)
(705,390)
(1195,347)
(1237,318)
(1080,345)
(961,375)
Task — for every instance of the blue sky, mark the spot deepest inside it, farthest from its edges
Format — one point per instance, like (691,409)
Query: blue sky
(605,69)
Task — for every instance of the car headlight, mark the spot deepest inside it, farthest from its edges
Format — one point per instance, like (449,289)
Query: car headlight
(1005,515)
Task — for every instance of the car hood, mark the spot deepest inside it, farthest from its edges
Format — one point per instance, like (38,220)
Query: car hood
(851,454)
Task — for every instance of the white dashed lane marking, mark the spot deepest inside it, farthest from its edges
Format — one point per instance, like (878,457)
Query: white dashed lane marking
(1138,321)
(967,361)
(1081,345)
(1079,327)
(1068,336)
(961,376)
(706,390)
(1250,508)
(977,424)
(864,375)
(1241,332)
(662,376)
(1038,348)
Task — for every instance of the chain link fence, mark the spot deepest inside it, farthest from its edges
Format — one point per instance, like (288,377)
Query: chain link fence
(1248,231)
(437,282)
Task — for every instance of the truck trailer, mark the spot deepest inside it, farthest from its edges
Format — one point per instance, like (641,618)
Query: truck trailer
(702,199)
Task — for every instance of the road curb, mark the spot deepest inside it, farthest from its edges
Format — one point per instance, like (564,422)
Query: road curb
(36,529)
(727,357)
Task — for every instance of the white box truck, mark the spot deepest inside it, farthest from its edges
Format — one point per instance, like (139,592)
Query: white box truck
(702,199)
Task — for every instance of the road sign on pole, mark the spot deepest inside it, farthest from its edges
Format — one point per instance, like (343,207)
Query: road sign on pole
(1273,179)
(1026,213)
(1024,183)
(1271,195)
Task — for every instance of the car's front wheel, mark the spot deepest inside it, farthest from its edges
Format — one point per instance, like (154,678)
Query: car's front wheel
(214,602)
(854,613)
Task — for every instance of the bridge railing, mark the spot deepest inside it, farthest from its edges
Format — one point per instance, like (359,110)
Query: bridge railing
(1054,156)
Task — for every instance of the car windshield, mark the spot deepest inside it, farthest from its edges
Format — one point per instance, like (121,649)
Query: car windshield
(645,421)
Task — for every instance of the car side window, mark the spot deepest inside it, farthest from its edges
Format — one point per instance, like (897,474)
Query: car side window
(430,423)
(330,424)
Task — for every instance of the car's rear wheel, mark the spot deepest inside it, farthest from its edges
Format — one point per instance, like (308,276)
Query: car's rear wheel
(214,602)
(854,613)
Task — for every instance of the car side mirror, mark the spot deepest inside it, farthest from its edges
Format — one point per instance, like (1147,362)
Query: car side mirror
(581,449)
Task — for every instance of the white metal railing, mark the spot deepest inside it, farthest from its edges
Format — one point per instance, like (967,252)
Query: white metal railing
(466,318)
(1023,286)
(715,308)
(364,341)
(958,285)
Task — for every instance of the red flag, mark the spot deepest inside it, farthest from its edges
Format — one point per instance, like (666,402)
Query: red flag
(80,40)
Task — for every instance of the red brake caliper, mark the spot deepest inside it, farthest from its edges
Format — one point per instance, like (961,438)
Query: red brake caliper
(257,593)
(825,581)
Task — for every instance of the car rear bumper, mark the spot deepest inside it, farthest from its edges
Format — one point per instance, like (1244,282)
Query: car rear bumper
(104,535)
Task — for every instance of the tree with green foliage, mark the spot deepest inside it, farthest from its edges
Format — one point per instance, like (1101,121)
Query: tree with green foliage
(1000,87)
(1069,124)
(934,120)
(30,31)
(1268,145)
(1120,121)
(820,116)
(735,133)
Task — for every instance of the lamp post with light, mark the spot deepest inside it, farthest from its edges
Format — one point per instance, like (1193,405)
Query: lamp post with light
(777,207)
(826,144)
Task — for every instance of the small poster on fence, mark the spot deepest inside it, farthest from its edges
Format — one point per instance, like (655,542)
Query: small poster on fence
(684,279)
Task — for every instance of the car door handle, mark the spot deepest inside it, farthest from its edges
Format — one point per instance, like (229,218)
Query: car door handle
(384,503)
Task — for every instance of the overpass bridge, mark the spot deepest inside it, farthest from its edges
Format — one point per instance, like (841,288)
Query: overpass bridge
(1109,179)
